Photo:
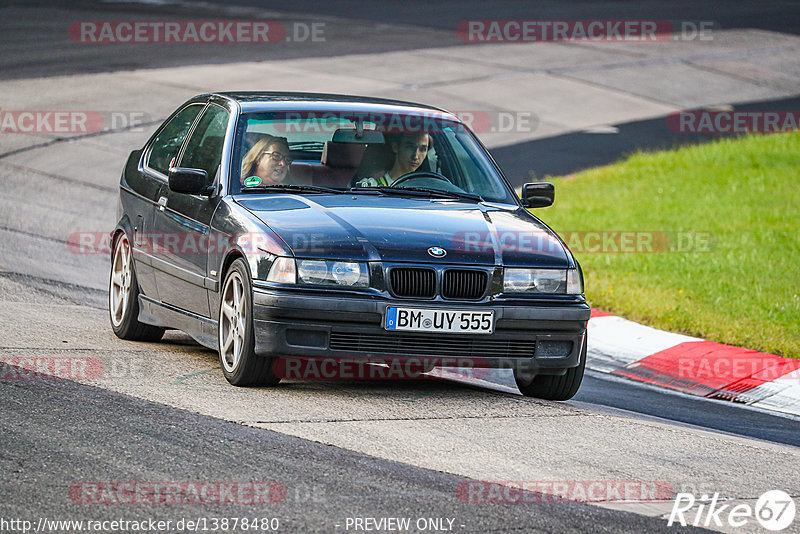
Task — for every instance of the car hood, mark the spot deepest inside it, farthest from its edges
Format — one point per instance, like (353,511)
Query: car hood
(398,229)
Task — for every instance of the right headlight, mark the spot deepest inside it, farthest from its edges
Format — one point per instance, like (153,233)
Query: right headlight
(547,281)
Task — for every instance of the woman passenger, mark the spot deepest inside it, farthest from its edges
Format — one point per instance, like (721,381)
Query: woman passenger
(268,159)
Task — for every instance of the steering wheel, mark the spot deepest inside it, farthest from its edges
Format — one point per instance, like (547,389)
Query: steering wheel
(422,174)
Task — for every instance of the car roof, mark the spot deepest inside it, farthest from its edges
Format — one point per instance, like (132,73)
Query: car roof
(272,100)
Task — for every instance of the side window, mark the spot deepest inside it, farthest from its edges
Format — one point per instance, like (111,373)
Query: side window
(169,141)
(204,148)
(472,174)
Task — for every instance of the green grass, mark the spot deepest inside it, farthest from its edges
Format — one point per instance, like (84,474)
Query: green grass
(744,192)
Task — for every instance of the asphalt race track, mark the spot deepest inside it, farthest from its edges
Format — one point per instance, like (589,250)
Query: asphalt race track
(332,450)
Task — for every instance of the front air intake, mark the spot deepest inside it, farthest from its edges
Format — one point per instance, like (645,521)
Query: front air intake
(464,284)
(412,282)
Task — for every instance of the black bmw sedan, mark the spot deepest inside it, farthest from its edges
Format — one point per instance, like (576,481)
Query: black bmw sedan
(280,228)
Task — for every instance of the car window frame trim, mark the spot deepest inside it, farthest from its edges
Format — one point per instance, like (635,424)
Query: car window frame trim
(144,161)
(225,159)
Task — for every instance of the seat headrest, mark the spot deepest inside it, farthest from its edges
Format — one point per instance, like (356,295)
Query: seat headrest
(351,135)
(342,155)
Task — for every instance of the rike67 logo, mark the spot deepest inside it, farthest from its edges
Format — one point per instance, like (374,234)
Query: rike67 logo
(774,510)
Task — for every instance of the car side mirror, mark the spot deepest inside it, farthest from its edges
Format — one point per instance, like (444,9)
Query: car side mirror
(538,194)
(189,181)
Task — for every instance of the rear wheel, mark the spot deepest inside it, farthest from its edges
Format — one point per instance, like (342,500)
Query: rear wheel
(236,340)
(123,297)
(553,387)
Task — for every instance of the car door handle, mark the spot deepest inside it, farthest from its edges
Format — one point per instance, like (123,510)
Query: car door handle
(162,202)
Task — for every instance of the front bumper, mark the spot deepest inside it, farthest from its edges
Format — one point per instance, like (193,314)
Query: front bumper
(539,337)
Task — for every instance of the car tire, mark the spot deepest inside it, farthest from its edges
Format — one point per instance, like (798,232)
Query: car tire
(553,387)
(235,334)
(123,297)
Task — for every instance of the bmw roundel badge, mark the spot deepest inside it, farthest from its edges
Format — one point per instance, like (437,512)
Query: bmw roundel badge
(437,252)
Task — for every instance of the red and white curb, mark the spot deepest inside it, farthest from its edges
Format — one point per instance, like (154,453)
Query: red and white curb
(624,348)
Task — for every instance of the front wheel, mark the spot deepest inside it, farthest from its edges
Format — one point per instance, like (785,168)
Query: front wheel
(236,339)
(123,297)
(553,387)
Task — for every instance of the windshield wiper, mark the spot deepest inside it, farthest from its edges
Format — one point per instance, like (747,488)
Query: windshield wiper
(292,187)
(420,192)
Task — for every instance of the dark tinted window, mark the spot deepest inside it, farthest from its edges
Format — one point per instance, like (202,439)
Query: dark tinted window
(169,141)
(204,148)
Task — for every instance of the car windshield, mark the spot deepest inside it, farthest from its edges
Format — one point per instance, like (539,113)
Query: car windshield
(419,155)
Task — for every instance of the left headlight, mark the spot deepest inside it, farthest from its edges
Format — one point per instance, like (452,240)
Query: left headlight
(333,273)
(548,281)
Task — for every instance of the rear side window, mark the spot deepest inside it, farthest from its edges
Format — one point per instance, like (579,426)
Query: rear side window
(204,148)
(169,140)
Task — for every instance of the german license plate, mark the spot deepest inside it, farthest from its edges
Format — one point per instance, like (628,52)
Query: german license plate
(439,320)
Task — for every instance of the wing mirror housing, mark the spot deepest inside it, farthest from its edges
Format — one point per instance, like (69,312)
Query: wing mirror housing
(538,194)
(189,181)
